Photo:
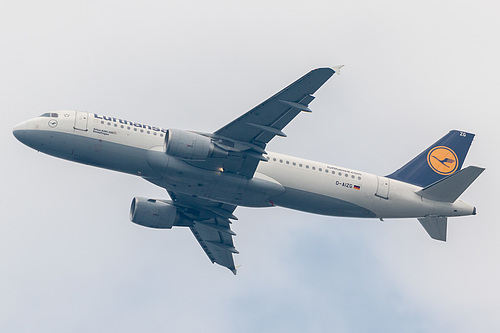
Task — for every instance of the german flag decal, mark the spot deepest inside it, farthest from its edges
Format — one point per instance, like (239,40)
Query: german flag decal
(356,187)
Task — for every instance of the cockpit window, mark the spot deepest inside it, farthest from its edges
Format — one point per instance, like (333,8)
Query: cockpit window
(53,115)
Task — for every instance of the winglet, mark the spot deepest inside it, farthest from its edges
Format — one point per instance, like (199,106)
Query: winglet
(337,68)
(235,269)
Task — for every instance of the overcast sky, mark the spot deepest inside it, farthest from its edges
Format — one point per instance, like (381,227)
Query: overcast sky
(71,261)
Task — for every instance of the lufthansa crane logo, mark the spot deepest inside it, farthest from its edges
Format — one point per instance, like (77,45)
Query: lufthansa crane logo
(442,160)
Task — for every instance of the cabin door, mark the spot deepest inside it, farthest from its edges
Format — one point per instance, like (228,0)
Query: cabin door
(81,121)
(382,187)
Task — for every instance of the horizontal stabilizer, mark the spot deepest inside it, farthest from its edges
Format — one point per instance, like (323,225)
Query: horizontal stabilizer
(450,188)
(435,226)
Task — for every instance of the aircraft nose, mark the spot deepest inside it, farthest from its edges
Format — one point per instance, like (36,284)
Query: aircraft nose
(19,131)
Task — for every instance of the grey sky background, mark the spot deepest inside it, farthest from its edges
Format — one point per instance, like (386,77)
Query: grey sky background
(71,260)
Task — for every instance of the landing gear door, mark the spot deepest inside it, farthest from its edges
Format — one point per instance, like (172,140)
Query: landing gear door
(81,121)
(382,187)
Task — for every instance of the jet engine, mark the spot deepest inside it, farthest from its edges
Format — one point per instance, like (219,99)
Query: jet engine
(190,146)
(153,213)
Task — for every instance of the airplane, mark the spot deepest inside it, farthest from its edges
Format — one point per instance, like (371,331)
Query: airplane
(207,175)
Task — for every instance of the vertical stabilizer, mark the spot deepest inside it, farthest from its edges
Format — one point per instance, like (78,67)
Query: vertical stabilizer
(442,159)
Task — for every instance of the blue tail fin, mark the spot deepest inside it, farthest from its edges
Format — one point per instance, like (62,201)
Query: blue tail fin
(442,159)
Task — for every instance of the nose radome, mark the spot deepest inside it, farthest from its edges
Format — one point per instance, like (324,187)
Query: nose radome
(19,130)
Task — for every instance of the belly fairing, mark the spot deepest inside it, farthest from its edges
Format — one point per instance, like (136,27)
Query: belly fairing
(181,177)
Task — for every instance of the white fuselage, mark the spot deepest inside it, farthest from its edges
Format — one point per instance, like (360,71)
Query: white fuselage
(283,180)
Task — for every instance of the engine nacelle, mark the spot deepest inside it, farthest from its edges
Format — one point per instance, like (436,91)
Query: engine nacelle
(190,146)
(153,213)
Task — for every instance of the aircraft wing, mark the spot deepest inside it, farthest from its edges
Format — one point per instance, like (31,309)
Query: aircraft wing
(210,226)
(245,139)
(259,125)
(247,136)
